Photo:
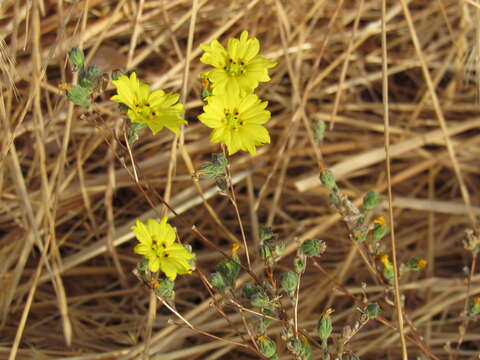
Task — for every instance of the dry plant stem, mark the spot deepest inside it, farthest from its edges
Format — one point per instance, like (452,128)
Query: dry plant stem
(398,299)
(439,113)
(108,199)
(216,305)
(233,200)
(48,201)
(343,72)
(187,323)
(380,318)
(188,162)
(465,318)
(29,301)
(295,309)
(246,325)
(136,31)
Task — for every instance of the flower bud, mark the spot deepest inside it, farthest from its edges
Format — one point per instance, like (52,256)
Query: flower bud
(370,200)
(372,310)
(267,346)
(327,179)
(79,96)
(289,281)
(76,58)
(313,247)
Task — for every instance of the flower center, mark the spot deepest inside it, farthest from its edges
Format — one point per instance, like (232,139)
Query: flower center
(232,120)
(235,68)
(145,110)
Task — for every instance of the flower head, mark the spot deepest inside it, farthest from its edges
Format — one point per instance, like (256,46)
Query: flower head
(238,68)
(236,121)
(157,244)
(156,109)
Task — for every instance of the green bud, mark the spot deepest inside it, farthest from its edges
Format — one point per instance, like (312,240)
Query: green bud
(416,263)
(266,322)
(266,233)
(319,129)
(279,248)
(313,247)
(474,308)
(256,295)
(117,73)
(327,179)
(260,300)
(229,269)
(360,234)
(79,96)
(215,169)
(295,346)
(133,131)
(89,79)
(218,282)
(249,290)
(204,93)
(300,347)
(370,200)
(299,264)
(388,273)
(334,198)
(267,346)
(324,328)
(77,58)
(289,281)
(352,357)
(372,310)
(265,251)
(379,232)
(142,266)
(165,288)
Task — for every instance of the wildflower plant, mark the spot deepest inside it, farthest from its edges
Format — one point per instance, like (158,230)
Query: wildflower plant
(237,117)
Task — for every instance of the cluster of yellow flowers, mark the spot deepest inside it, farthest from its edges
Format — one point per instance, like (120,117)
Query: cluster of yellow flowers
(233,111)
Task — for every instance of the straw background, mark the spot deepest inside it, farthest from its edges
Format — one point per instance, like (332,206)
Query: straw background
(68,202)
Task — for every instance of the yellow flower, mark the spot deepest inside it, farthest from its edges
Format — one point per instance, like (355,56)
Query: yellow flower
(158,246)
(422,263)
(237,68)
(384,260)
(156,109)
(236,121)
(380,221)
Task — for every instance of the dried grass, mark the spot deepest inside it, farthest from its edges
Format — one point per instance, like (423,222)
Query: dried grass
(68,202)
